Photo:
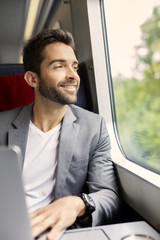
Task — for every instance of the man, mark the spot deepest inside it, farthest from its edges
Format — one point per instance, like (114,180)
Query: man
(66,149)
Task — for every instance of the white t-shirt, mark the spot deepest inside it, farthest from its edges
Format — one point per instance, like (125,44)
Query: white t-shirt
(39,171)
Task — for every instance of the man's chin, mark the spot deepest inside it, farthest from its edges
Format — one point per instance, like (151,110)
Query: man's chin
(67,101)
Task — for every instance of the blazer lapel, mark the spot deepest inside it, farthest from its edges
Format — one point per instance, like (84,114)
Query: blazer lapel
(69,133)
(18,134)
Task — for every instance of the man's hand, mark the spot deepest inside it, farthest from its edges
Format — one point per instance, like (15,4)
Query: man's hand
(57,216)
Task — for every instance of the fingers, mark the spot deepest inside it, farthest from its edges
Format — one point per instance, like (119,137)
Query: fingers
(41,227)
(41,221)
(55,232)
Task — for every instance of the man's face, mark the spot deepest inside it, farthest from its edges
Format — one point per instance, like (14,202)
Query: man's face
(59,81)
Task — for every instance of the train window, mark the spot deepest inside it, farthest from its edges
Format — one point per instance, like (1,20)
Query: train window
(133,29)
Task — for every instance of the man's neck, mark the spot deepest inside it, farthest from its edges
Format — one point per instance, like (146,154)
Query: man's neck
(47,116)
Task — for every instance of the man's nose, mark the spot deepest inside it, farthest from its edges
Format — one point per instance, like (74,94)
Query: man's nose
(71,73)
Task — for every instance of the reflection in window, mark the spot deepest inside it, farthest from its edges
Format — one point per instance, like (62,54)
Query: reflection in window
(134,46)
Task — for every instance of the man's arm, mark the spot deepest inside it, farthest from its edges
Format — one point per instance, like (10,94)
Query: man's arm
(101,181)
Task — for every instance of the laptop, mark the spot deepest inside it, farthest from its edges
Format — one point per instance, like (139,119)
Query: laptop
(14,219)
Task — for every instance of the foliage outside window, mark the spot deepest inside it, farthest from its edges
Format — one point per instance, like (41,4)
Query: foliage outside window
(136,93)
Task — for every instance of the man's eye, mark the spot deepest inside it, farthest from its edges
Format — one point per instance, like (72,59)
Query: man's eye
(58,66)
(75,68)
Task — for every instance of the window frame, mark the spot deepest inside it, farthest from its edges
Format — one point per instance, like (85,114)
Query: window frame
(140,187)
(104,89)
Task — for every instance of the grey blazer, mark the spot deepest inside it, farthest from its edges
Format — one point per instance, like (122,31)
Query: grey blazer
(84,162)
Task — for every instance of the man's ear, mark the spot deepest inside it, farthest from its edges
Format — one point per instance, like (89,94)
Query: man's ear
(31,78)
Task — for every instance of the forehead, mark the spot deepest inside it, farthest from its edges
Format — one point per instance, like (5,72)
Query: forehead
(58,51)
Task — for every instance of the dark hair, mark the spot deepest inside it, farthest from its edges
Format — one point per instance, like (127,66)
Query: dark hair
(33,51)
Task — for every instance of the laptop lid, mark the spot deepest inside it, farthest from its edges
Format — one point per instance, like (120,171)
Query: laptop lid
(14,220)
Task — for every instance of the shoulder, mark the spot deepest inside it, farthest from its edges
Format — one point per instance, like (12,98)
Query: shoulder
(88,120)
(82,114)
(7,117)
(9,113)
(92,127)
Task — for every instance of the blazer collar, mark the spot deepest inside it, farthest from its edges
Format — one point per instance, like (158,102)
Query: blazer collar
(68,136)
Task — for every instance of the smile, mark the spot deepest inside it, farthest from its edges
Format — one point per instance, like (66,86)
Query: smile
(69,87)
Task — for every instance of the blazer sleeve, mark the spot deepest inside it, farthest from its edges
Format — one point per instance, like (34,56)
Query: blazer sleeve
(102,182)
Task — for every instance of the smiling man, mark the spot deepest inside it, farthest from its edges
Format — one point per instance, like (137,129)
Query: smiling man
(68,174)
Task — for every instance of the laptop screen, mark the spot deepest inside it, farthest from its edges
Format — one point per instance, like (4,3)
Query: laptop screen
(14,221)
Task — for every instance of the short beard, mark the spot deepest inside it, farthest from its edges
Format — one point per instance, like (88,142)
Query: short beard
(54,94)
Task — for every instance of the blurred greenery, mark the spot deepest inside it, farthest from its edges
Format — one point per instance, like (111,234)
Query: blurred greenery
(137,99)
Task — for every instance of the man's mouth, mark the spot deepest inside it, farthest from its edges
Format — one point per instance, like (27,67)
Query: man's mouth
(70,87)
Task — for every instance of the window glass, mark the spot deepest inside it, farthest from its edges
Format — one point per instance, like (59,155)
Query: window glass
(133,29)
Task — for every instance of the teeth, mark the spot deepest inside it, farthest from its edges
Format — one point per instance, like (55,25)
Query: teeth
(69,87)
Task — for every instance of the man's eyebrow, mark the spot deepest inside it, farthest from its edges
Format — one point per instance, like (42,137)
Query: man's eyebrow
(62,61)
